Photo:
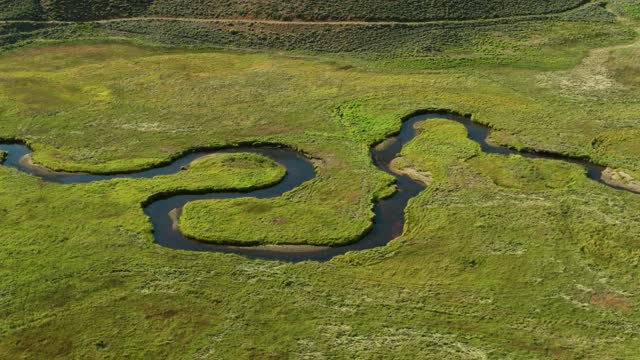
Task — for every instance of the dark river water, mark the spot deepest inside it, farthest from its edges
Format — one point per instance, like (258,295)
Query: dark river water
(389,213)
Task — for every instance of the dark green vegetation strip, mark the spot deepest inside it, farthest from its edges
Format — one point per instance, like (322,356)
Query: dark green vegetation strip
(413,10)
(20,10)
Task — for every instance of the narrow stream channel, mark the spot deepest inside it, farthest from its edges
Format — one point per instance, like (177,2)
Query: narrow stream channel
(389,213)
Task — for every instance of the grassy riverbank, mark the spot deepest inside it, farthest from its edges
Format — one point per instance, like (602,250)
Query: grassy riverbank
(501,257)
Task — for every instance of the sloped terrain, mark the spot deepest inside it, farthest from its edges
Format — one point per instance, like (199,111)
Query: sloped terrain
(311,10)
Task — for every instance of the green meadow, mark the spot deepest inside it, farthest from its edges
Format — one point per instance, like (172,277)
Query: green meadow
(501,257)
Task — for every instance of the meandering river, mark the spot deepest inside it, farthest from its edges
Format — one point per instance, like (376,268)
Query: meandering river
(389,213)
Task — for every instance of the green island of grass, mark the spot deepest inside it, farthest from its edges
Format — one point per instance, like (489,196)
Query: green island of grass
(239,171)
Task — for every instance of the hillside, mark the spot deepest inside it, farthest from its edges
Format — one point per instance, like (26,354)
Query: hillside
(432,45)
(20,9)
(310,10)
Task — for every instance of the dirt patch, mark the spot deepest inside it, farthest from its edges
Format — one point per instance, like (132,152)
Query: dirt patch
(27,162)
(602,298)
(400,166)
(174,215)
(591,75)
(610,300)
(385,144)
(145,127)
(621,179)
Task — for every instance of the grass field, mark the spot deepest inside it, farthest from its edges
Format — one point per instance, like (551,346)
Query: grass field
(500,258)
